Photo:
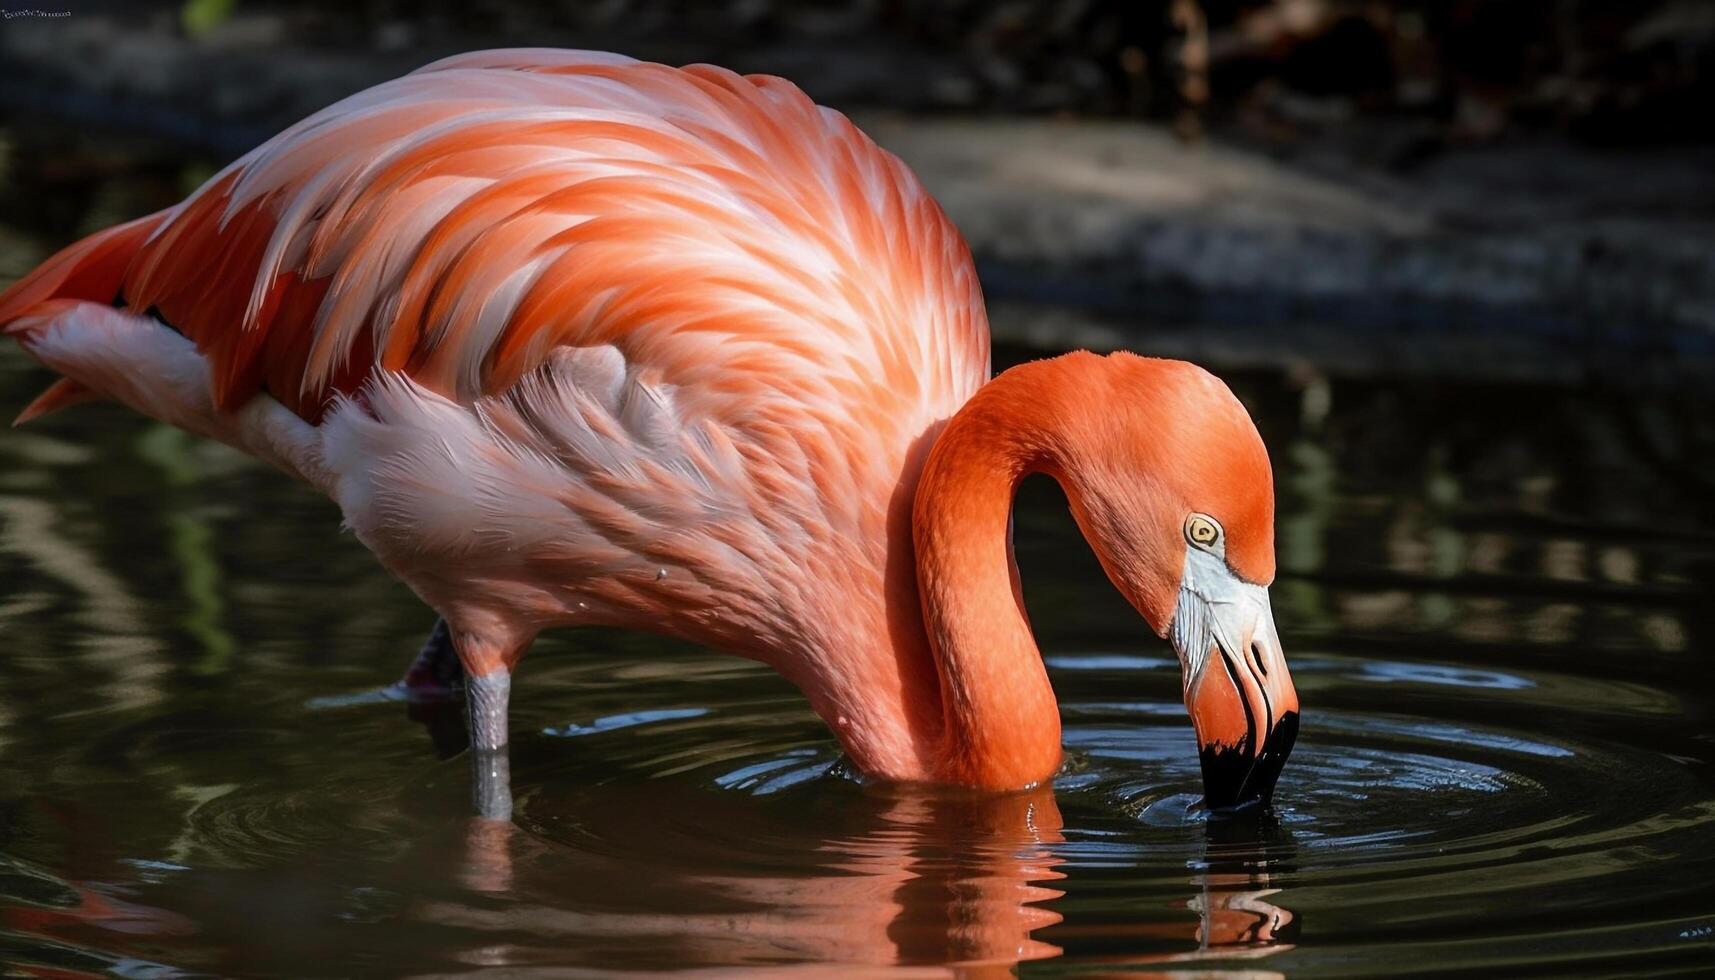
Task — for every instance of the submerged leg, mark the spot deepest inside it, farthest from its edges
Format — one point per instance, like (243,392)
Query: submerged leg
(489,858)
(491,767)
(435,675)
(488,689)
(431,688)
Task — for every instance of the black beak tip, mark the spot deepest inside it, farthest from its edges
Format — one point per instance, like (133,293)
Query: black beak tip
(1233,777)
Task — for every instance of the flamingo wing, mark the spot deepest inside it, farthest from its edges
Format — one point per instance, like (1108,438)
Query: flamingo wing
(462,222)
(571,339)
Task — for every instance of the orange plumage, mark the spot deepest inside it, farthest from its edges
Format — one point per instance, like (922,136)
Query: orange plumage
(575,339)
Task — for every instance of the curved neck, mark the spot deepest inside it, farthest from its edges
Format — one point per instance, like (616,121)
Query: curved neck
(1001,724)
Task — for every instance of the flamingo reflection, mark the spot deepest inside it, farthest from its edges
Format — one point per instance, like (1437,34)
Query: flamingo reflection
(895,875)
(905,876)
(1245,854)
(680,871)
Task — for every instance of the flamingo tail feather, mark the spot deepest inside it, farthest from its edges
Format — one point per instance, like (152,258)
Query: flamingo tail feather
(92,268)
(63,393)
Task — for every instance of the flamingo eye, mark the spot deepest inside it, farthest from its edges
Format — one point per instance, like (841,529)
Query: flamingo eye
(1203,532)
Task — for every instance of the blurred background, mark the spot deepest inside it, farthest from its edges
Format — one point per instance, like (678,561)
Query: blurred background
(1458,259)
(1513,188)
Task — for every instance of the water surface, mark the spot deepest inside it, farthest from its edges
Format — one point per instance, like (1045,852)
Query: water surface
(1496,603)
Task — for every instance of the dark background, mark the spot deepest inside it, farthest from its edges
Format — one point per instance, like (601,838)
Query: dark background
(1495,189)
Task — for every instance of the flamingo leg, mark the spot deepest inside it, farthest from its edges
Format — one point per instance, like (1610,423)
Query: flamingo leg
(435,674)
(487,698)
(491,767)
(433,686)
(488,660)
(434,678)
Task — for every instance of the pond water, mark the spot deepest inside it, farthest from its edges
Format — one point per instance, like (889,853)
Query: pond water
(1497,604)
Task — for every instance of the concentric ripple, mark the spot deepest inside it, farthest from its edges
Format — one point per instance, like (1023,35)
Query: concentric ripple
(708,818)
(1506,764)
(1386,822)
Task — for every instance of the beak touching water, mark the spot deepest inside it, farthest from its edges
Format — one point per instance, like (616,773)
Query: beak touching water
(1237,687)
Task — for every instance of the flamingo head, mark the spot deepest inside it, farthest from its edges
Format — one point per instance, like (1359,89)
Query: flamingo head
(1174,491)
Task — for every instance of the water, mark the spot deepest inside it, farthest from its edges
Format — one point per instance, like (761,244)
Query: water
(1495,601)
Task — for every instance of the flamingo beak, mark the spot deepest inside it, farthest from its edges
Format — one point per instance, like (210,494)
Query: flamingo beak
(1237,687)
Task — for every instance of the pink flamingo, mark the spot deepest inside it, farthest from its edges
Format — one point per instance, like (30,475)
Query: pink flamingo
(576,339)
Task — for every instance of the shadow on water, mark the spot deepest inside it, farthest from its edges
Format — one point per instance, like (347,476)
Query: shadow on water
(1495,601)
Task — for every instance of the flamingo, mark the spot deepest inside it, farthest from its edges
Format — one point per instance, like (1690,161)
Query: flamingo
(574,339)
